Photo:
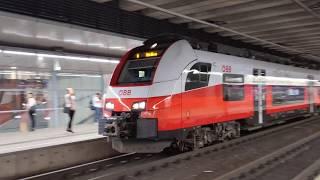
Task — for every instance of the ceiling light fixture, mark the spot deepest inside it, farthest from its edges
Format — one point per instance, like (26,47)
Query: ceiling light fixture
(79,75)
(117,47)
(68,57)
(40,58)
(19,53)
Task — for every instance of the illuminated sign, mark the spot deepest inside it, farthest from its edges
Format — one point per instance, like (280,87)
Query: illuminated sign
(151,54)
(147,54)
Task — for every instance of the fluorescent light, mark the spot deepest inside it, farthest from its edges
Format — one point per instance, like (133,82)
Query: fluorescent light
(6,73)
(103,60)
(50,56)
(97,60)
(114,61)
(79,75)
(19,53)
(13,67)
(56,66)
(117,47)
(76,58)
(28,73)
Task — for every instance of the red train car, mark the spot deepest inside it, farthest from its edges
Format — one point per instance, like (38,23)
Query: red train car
(165,93)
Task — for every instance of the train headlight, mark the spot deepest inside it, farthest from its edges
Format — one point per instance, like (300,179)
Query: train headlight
(139,105)
(109,106)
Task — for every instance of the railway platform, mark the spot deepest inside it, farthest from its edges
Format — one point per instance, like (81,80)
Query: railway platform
(27,153)
(20,141)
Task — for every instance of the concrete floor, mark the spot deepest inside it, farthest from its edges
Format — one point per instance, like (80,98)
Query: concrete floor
(20,141)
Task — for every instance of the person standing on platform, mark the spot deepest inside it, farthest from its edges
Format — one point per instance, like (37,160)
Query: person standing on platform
(70,106)
(31,107)
(97,104)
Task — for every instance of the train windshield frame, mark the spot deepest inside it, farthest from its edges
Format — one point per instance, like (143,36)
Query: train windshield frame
(138,71)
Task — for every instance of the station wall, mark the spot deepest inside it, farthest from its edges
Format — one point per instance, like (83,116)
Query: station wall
(48,88)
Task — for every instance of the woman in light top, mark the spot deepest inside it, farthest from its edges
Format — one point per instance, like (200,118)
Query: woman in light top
(70,104)
(31,107)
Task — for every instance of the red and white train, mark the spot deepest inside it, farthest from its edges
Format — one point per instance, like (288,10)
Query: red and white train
(165,93)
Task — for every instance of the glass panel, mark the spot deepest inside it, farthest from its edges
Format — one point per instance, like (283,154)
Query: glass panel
(233,78)
(282,95)
(85,87)
(136,71)
(198,76)
(14,113)
(233,92)
(47,92)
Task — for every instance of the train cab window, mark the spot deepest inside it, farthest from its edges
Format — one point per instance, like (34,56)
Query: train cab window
(233,88)
(138,71)
(282,95)
(198,76)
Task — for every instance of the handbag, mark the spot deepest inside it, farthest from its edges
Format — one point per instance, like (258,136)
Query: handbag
(66,110)
(33,108)
(91,106)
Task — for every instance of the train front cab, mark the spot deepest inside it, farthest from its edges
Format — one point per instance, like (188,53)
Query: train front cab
(143,101)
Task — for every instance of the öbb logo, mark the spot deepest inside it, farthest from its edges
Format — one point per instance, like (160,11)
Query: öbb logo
(125,92)
(226,68)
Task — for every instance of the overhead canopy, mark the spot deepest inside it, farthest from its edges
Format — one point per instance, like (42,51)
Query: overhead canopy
(290,26)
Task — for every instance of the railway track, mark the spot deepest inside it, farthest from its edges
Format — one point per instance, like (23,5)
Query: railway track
(100,165)
(193,165)
(219,160)
(283,163)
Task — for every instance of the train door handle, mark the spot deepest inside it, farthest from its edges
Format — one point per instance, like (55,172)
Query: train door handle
(188,114)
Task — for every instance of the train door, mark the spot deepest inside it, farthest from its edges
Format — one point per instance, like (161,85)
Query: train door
(311,94)
(194,96)
(259,96)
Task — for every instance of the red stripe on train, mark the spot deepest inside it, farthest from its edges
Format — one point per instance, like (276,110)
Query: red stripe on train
(202,106)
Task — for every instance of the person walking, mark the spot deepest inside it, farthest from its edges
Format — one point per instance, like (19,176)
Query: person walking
(97,104)
(31,107)
(70,106)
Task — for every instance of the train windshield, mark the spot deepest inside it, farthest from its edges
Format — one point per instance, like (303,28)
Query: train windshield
(138,71)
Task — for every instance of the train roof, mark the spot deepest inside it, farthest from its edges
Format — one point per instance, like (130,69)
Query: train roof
(246,66)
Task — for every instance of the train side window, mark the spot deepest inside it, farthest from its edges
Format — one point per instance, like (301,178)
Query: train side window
(198,76)
(282,95)
(259,72)
(233,88)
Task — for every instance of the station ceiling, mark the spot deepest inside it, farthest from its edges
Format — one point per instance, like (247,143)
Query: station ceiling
(38,33)
(290,26)
(285,28)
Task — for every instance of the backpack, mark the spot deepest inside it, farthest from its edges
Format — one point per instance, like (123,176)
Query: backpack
(91,105)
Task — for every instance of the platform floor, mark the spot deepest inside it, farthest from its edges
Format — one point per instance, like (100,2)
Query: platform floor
(20,141)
